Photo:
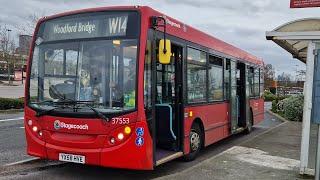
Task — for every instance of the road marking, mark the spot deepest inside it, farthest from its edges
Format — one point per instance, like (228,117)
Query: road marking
(22,161)
(261,158)
(13,119)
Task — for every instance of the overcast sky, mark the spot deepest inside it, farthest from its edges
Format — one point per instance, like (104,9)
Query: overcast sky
(240,22)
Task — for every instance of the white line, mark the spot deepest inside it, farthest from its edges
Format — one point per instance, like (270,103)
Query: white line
(22,161)
(13,119)
(21,127)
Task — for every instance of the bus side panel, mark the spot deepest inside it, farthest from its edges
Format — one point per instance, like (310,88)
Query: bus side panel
(215,121)
(257,106)
(130,155)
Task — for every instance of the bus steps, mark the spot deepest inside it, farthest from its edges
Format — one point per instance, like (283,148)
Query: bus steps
(169,158)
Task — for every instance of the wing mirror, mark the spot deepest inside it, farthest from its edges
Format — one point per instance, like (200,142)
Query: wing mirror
(164,51)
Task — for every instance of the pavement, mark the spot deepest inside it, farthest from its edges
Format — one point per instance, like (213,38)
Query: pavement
(271,151)
(14,91)
(273,155)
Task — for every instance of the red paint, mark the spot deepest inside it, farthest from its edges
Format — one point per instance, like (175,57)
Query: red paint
(93,143)
(257,106)
(304,3)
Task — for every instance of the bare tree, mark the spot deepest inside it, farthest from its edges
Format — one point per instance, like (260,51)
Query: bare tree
(269,75)
(7,47)
(28,26)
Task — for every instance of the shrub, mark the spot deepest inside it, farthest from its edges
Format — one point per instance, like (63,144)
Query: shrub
(268,96)
(8,103)
(274,106)
(293,108)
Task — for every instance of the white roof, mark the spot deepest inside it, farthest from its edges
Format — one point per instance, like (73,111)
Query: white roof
(294,36)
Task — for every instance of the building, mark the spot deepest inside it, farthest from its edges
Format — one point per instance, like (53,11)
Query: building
(24,44)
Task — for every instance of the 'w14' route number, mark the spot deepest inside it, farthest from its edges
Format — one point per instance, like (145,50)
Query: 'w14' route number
(120,121)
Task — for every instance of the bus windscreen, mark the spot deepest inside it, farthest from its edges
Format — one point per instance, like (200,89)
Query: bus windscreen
(90,58)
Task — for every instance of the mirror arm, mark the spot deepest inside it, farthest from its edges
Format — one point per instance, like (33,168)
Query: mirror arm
(164,25)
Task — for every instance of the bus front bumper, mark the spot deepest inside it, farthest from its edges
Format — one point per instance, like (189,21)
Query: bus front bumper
(127,155)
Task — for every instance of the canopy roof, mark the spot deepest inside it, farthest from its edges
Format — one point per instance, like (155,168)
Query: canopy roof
(294,36)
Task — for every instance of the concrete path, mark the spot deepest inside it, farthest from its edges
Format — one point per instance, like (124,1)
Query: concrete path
(273,155)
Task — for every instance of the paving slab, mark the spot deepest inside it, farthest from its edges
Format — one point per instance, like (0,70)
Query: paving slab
(272,155)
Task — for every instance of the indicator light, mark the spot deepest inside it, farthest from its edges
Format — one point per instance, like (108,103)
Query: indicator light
(190,113)
(116,42)
(120,136)
(35,128)
(30,122)
(40,133)
(112,140)
(127,130)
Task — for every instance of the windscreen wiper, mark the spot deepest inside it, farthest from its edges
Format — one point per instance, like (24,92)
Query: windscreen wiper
(45,112)
(70,101)
(101,115)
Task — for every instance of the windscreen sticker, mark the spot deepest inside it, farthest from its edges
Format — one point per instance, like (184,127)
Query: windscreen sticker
(140,131)
(139,141)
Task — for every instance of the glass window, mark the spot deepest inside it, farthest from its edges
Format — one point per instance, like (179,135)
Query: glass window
(227,79)
(256,82)
(196,55)
(34,74)
(250,79)
(102,71)
(261,82)
(53,59)
(71,62)
(215,78)
(147,76)
(196,83)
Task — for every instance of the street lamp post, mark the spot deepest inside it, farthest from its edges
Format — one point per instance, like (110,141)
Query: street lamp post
(7,58)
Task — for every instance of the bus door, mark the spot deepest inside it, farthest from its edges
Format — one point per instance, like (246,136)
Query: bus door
(168,107)
(234,103)
(239,99)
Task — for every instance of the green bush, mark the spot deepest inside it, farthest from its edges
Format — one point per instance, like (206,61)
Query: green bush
(8,103)
(293,108)
(274,106)
(268,96)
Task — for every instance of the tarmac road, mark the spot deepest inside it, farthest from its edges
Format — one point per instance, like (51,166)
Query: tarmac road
(13,138)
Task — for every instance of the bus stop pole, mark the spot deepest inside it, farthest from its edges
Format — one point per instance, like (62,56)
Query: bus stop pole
(317,173)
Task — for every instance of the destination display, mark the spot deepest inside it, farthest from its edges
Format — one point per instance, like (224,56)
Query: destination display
(109,25)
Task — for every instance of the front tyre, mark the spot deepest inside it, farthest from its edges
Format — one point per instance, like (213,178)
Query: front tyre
(196,142)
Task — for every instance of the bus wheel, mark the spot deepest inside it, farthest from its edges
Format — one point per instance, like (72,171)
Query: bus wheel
(196,142)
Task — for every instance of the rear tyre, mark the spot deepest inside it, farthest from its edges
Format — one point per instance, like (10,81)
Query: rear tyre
(196,142)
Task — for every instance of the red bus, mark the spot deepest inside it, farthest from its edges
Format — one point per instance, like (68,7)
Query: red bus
(128,87)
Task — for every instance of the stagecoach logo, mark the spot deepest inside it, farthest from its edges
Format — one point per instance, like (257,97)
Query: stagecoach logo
(60,125)
(171,23)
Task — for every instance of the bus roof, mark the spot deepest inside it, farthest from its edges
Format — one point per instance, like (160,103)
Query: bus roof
(181,30)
